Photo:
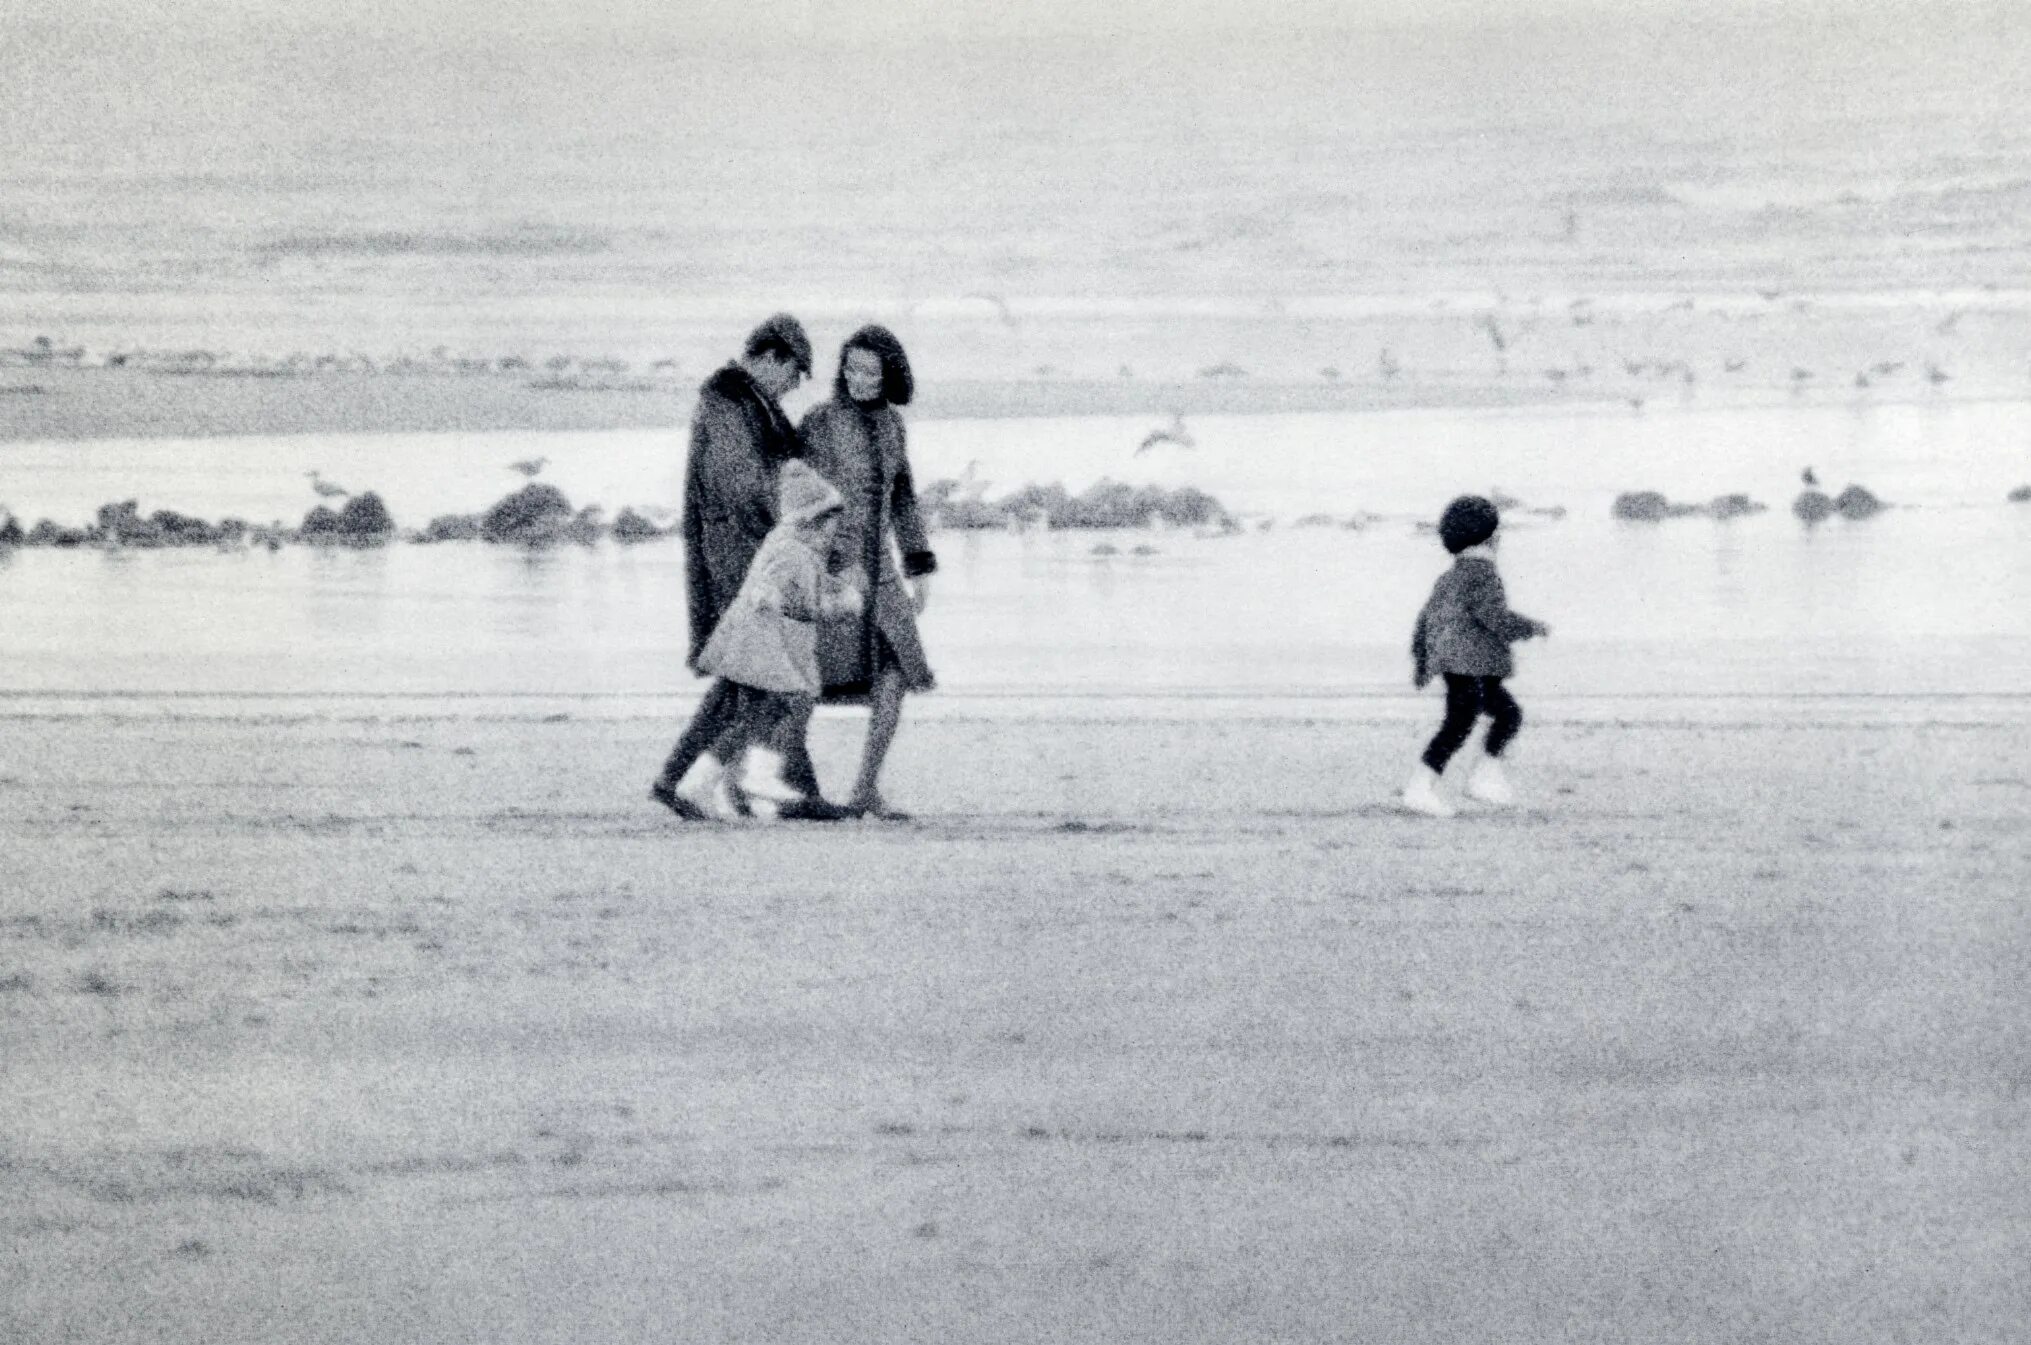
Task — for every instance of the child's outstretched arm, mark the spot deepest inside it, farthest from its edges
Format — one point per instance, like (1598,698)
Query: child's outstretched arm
(1420,651)
(1488,603)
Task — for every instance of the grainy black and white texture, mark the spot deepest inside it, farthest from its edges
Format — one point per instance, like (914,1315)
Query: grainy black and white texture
(351,989)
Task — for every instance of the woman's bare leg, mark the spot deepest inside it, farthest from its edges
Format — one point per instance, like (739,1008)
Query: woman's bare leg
(885,714)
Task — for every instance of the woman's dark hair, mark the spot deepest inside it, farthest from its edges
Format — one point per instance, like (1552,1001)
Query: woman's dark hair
(898,386)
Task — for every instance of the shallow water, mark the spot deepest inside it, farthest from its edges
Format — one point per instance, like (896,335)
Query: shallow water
(1929,598)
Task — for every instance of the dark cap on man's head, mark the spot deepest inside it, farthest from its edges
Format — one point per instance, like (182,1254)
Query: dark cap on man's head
(783,334)
(1468,521)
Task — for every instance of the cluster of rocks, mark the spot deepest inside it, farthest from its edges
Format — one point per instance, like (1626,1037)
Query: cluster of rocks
(1105,504)
(1649,506)
(539,515)
(123,524)
(536,515)
(1854,502)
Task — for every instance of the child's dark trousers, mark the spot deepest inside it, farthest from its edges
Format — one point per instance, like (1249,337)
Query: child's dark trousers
(1467,699)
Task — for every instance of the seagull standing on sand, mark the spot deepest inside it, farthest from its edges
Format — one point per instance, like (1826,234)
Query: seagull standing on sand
(1173,433)
(326,489)
(529,467)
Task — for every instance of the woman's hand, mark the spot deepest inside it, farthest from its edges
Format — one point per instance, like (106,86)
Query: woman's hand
(920,593)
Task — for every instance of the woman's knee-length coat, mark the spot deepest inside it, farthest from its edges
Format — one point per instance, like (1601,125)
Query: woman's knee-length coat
(860,450)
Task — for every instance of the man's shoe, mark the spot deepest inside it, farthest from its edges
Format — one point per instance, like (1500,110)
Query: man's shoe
(666,794)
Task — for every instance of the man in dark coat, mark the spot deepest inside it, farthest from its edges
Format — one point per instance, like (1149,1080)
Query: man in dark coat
(739,439)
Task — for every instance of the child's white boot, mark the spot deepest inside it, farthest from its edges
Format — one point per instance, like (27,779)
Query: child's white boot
(762,778)
(1422,795)
(763,787)
(704,786)
(1490,784)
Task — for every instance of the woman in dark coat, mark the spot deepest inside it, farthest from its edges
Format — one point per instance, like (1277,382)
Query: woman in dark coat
(855,441)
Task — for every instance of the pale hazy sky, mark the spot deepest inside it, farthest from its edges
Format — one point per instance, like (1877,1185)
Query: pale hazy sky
(944,16)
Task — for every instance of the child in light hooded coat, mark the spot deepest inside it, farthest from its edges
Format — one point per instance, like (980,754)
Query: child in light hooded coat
(766,643)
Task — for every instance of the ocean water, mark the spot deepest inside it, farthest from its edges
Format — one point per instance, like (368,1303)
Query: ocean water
(1100,202)
(1164,198)
(1932,597)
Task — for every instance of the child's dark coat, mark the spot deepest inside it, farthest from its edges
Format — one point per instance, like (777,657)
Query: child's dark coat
(1466,626)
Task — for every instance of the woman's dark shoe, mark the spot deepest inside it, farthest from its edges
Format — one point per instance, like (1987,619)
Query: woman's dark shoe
(876,808)
(812,809)
(666,794)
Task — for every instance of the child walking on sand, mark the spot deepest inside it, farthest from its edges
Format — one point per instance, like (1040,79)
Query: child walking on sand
(1463,635)
(766,645)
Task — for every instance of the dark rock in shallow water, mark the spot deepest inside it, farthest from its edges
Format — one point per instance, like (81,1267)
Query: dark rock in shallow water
(1857,502)
(1813,505)
(366,519)
(1105,504)
(587,527)
(11,533)
(535,513)
(2021,495)
(320,524)
(122,523)
(1648,506)
(1642,506)
(1732,506)
(174,529)
(451,528)
(1112,504)
(46,533)
(630,526)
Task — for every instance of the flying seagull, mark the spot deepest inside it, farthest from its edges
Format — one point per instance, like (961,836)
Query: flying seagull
(1173,433)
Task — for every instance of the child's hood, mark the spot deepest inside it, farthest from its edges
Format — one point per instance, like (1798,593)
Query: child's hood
(802,494)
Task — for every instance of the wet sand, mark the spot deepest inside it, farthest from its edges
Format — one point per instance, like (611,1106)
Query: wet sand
(420,1023)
